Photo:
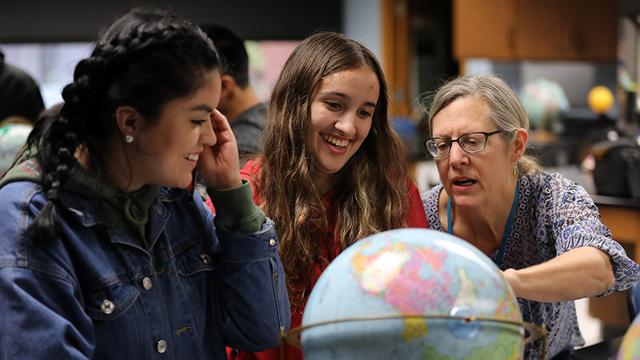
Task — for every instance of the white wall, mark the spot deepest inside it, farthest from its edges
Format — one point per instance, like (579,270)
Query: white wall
(362,22)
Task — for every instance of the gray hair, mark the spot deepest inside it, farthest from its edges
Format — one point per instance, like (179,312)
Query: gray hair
(505,108)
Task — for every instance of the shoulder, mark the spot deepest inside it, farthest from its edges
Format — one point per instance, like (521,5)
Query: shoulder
(251,173)
(411,186)
(22,202)
(251,170)
(253,117)
(415,215)
(542,179)
(430,197)
(553,188)
(430,200)
(29,170)
(19,194)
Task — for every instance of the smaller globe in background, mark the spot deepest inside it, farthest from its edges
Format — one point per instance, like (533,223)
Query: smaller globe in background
(543,100)
(600,99)
(408,294)
(630,346)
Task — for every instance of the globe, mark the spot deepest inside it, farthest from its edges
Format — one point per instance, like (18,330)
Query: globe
(600,99)
(412,294)
(630,345)
(543,101)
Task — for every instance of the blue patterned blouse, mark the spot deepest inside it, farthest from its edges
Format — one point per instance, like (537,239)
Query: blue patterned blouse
(554,215)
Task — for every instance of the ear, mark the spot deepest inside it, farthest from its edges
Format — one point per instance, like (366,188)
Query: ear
(228,86)
(128,120)
(520,144)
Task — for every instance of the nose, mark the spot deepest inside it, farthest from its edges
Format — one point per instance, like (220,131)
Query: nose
(346,124)
(208,136)
(457,156)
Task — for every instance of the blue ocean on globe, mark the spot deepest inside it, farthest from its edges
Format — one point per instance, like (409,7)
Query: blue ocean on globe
(412,294)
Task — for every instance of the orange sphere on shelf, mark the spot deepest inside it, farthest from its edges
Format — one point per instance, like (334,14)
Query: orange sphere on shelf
(600,99)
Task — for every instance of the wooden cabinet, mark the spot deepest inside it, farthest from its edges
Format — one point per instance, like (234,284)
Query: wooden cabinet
(483,28)
(535,29)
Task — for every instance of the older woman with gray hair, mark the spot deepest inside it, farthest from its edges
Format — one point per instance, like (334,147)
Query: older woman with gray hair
(542,230)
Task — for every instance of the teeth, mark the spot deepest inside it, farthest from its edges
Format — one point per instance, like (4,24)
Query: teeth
(193,157)
(335,141)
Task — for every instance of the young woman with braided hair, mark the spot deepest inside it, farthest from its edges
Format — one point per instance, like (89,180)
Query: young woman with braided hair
(333,170)
(104,252)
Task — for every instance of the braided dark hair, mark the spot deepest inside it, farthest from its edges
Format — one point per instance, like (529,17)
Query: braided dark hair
(145,59)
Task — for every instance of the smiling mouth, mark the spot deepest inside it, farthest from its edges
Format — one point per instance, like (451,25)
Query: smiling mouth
(340,143)
(192,157)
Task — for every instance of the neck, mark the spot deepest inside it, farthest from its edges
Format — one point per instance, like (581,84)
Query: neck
(324,182)
(117,170)
(484,225)
(243,100)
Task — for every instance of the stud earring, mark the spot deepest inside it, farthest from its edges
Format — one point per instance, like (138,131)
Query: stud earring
(128,139)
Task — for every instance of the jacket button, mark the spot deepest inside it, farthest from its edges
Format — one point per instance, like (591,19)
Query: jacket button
(205,258)
(107,306)
(272,242)
(161,346)
(146,283)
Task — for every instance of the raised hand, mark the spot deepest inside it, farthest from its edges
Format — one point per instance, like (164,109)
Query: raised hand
(219,165)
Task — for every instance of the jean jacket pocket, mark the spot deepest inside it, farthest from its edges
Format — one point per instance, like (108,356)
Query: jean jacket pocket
(196,259)
(110,302)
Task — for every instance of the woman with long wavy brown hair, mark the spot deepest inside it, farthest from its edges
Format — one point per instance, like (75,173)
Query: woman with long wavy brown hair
(333,170)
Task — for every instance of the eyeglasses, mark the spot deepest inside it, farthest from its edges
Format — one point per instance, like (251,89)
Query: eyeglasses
(471,143)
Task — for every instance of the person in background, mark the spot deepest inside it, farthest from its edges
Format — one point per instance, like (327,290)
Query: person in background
(14,131)
(332,171)
(19,93)
(238,101)
(104,252)
(542,230)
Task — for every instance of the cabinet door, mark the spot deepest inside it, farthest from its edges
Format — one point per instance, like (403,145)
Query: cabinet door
(483,29)
(566,30)
(597,37)
(545,29)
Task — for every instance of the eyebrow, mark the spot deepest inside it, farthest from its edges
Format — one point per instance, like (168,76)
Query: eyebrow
(463,134)
(342,95)
(202,107)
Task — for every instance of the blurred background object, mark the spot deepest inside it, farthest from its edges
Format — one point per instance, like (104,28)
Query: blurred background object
(544,100)
(19,92)
(600,99)
(14,131)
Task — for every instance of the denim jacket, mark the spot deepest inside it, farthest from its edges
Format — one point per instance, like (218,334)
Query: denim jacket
(95,293)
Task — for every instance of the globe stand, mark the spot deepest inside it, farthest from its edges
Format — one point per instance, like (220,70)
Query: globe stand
(535,332)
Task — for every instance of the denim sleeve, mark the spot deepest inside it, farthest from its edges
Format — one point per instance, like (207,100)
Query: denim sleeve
(253,304)
(41,319)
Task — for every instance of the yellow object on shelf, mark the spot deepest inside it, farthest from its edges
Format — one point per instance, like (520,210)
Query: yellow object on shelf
(600,99)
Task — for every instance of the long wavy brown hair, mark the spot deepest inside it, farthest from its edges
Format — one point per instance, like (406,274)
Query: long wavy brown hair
(371,191)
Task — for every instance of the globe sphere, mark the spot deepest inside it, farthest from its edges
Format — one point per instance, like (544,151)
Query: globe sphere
(412,294)
(543,100)
(630,345)
(600,99)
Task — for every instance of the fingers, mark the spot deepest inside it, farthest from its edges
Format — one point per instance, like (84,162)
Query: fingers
(219,121)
